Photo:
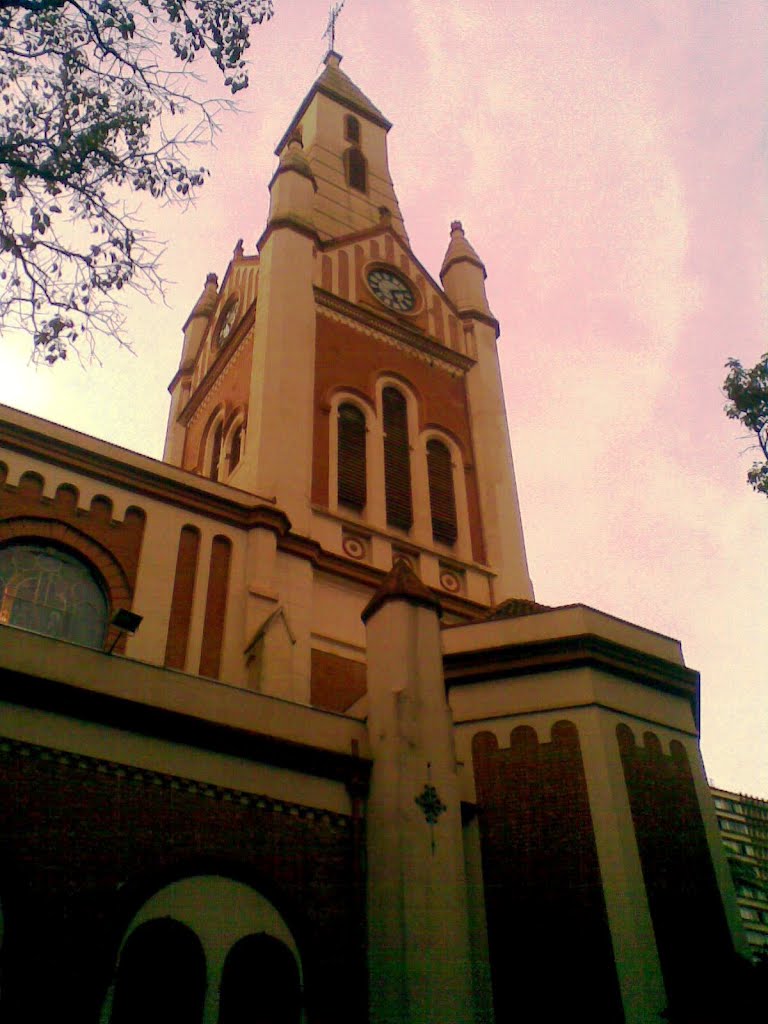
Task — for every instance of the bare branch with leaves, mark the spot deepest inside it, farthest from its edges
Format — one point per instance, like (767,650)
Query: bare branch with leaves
(97,105)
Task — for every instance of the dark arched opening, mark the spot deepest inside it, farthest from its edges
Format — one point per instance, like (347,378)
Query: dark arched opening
(161,976)
(260,983)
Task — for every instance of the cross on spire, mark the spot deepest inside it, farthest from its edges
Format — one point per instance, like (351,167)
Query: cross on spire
(330,31)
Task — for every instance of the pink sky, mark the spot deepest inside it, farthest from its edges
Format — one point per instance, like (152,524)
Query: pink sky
(607,160)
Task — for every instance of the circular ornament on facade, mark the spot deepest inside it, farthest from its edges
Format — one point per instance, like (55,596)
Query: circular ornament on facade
(353,547)
(450,581)
(227,322)
(391,289)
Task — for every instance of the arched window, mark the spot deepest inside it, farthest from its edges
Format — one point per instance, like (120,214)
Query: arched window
(351,457)
(442,500)
(161,976)
(352,129)
(356,170)
(215,452)
(235,446)
(48,591)
(397,460)
(260,983)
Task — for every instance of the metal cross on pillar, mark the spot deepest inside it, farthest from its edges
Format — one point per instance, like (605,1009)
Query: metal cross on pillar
(330,31)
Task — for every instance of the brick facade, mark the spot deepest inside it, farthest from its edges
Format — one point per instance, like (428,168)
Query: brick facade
(83,843)
(550,944)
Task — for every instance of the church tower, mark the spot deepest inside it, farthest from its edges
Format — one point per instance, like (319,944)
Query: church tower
(333,374)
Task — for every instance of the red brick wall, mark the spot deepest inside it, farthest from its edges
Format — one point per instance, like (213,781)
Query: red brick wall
(183,595)
(336,682)
(550,944)
(84,843)
(689,922)
(215,607)
(353,360)
(111,547)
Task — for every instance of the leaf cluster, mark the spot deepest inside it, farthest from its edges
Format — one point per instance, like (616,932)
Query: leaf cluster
(747,394)
(97,103)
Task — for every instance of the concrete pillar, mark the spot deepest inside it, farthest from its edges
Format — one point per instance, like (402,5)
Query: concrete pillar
(278,458)
(419,953)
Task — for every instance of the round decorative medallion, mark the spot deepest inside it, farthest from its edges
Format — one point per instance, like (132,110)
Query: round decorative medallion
(450,581)
(392,290)
(353,547)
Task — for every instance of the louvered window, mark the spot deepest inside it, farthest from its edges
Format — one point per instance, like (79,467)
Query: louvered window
(216,452)
(352,129)
(351,457)
(397,460)
(442,500)
(356,170)
(235,447)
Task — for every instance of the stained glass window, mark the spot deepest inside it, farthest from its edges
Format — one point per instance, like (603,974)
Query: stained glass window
(48,591)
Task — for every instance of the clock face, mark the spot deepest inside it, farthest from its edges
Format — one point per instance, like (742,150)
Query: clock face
(391,290)
(227,322)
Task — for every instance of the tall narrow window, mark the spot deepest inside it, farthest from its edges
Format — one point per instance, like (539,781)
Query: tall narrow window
(356,170)
(161,976)
(260,983)
(351,457)
(397,460)
(215,607)
(235,447)
(216,452)
(442,500)
(352,129)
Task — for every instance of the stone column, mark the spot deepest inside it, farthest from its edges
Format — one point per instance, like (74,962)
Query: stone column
(419,955)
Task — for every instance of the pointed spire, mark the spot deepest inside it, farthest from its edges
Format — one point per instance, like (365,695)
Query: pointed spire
(209,296)
(401,583)
(292,190)
(463,275)
(196,323)
(292,158)
(459,250)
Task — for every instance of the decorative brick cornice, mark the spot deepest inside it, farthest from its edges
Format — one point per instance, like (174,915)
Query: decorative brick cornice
(392,333)
(139,476)
(127,774)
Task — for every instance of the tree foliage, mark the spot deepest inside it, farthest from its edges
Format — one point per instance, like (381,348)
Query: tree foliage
(747,394)
(97,103)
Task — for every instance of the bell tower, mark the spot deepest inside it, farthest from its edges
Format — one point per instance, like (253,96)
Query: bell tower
(333,376)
